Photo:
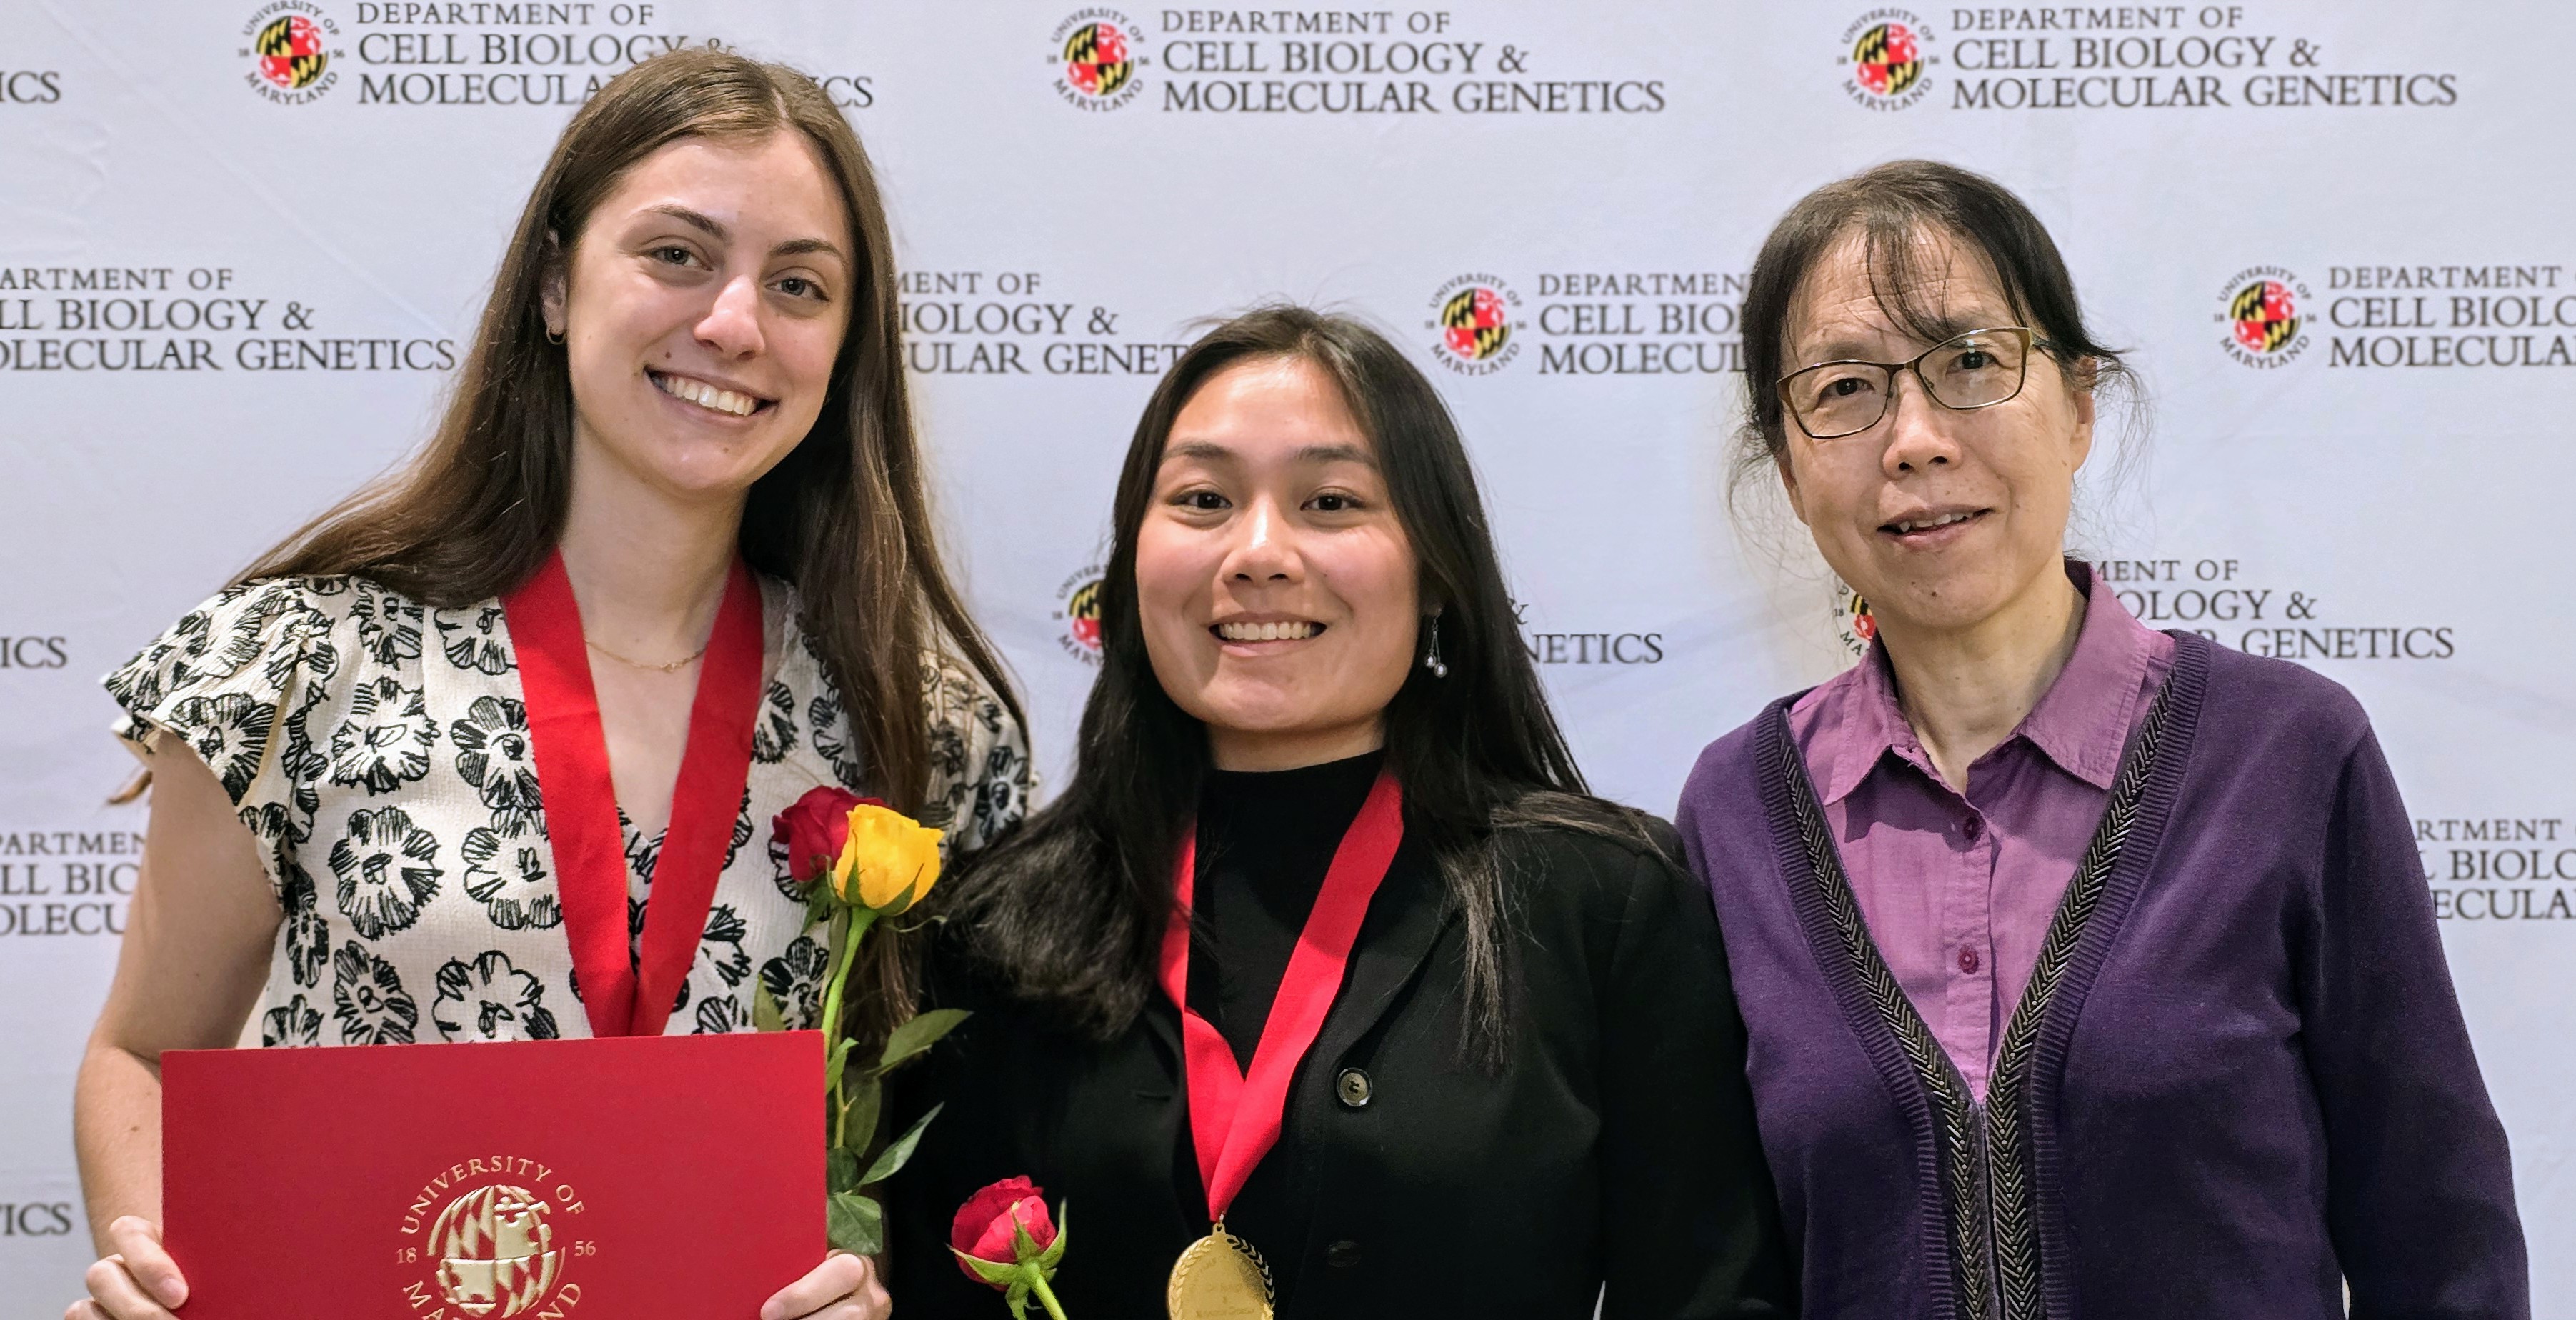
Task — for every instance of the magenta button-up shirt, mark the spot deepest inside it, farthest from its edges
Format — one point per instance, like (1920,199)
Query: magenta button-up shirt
(1959,891)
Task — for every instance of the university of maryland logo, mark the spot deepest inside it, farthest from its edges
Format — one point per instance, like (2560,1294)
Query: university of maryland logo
(290,52)
(1854,626)
(2266,315)
(1478,324)
(1078,610)
(489,1238)
(1864,625)
(1082,615)
(1886,61)
(1096,56)
(2261,313)
(288,46)
(496,1251)
(1473,314)
(1095,59)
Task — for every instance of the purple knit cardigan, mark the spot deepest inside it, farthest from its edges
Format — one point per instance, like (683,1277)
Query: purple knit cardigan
(2240,1080)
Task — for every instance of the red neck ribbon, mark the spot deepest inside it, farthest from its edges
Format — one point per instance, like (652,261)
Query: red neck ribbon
(627,995)
(1235,1116)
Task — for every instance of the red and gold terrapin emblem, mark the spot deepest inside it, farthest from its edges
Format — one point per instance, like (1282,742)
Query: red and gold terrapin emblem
(2262,316)
(1078,614)
(1886,58)
(490,1238)
(290,52)
(1095,55)
(1473,314)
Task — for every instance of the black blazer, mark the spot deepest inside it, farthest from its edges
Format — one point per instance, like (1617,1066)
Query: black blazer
(1616,1145)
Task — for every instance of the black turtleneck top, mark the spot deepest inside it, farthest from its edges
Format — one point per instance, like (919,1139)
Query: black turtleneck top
(1266,838)
(1265,841)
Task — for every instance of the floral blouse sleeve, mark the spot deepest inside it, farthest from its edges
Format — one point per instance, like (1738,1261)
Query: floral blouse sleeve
(980,777)
(224,680)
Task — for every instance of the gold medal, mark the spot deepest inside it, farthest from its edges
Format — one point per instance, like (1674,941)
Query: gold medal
(1220,1277)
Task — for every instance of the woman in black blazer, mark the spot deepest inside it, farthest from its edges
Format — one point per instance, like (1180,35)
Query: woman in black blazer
(1315,731)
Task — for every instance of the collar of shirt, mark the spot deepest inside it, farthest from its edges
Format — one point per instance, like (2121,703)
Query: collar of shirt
(2081,723)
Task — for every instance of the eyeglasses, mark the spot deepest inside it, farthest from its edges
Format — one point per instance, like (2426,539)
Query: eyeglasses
(1978,369)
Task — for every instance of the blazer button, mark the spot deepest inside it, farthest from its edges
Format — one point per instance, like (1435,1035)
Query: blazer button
(1342,1255)
(1353,1087)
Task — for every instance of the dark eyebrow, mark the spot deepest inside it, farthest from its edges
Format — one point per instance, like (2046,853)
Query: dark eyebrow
(1211,451)
(1200,449)
(797,247)
(1336,454)
(716,230)
(704,223)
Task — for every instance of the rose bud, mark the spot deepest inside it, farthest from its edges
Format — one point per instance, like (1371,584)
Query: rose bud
(888,861)
(815,827)
(983,1228)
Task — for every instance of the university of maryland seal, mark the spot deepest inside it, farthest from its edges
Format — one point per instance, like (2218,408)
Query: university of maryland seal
(490,1239)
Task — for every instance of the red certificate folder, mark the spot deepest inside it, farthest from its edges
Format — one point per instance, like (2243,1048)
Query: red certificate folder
(633,1178)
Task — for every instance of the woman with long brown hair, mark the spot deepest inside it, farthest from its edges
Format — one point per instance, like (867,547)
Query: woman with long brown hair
(676,493)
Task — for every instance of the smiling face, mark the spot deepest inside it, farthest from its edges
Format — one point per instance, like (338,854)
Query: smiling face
(1942,519)
(702,307)
(1276,588)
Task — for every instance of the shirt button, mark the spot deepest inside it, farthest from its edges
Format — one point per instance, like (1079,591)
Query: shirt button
(1353,1087)
(1342,1255)
(1972,827)
(1968,961)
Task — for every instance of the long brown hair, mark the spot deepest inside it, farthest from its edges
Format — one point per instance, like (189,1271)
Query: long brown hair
(843,517)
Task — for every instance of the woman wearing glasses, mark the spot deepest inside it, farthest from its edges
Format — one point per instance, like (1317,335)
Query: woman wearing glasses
(2089,971)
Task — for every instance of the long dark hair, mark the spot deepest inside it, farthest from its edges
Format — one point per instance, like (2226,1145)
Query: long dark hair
(1069,911)
(844,516)
(1891,208)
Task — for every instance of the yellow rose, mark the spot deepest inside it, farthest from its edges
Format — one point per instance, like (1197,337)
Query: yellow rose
(889,861)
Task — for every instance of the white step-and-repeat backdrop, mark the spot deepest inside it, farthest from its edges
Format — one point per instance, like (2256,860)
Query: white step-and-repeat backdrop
(232,288)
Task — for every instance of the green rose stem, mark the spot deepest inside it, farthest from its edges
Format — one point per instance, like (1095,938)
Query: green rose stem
(1046,1295)
(860,919)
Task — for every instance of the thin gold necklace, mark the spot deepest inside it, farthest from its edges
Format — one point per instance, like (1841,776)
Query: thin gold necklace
(672,668)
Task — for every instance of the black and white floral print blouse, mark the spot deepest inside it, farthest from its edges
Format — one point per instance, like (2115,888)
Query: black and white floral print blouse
(379,753)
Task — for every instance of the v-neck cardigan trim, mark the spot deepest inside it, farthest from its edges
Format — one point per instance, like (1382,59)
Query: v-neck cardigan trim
(2184,689)
(1875,1023)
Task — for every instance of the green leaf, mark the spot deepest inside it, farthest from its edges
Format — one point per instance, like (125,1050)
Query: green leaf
(1018,1300)
(900,1150)
(841,1169)
(919,1034)
(997,1275)
(866,1097)
(764,1009)
(1023,1247)
(856,1224)
(1046,1261)
(832,1067)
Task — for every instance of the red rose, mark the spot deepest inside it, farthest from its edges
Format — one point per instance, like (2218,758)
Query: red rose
(983,1225)
(814,829)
